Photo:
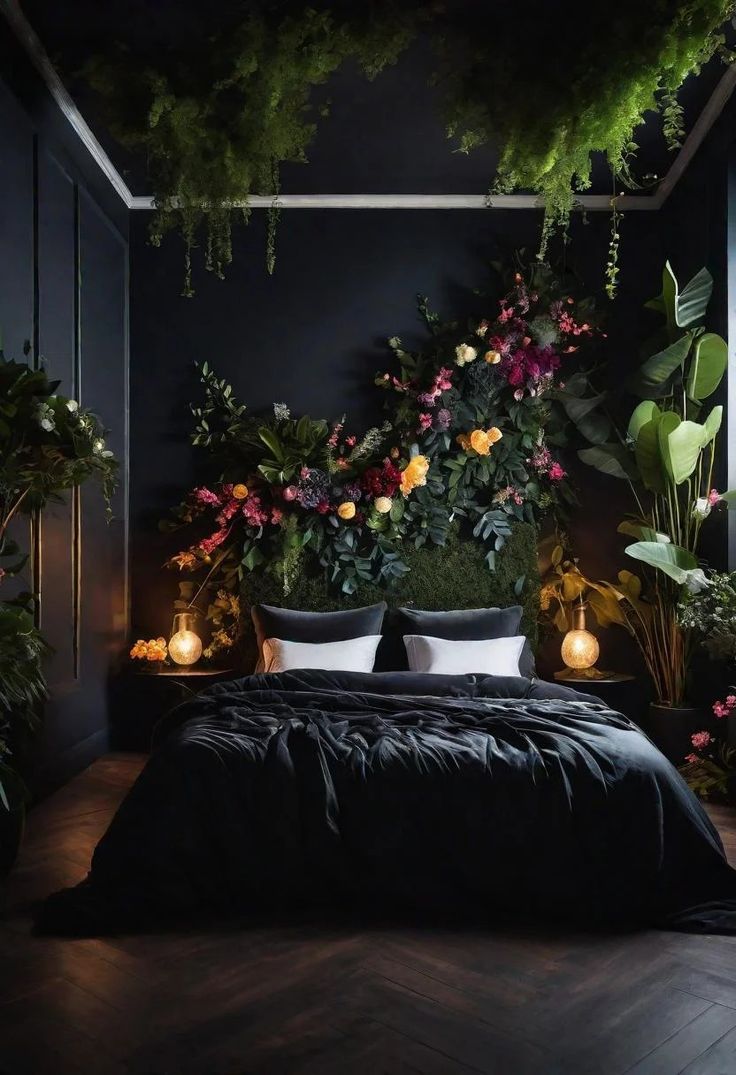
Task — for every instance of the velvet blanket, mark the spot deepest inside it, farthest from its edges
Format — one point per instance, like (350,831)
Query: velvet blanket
(459,794)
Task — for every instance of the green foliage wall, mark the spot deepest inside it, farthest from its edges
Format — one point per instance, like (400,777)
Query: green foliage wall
(451,576)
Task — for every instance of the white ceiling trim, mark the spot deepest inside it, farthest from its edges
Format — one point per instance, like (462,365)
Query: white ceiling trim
(587,202)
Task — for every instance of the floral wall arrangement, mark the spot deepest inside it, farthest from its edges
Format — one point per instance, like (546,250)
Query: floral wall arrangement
(475,423)
(216,124)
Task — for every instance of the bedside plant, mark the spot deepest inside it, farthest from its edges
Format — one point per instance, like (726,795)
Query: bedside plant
(666,455)
(48,444)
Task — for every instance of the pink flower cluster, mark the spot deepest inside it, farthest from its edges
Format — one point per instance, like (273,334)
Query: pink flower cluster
(725,708)
(529,363)
(542,461)
(441,383)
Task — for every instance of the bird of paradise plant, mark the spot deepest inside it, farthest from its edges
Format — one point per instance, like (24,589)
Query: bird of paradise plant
(667,455)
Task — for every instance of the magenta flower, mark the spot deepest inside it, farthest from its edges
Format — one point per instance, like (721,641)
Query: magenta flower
(208,545)
(714,497)
(556,472)
(700,740)
(425,421)
(692,758)
(206,496)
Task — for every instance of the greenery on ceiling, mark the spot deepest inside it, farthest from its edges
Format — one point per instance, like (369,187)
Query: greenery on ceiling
(548,87)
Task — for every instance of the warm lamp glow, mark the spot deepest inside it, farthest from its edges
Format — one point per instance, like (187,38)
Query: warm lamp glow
(580,649)
(185,645)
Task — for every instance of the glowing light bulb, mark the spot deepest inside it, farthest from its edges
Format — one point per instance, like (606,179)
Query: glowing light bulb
(185,645)
(580,649)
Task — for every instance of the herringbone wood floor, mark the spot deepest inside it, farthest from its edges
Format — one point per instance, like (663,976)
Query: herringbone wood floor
(343,999)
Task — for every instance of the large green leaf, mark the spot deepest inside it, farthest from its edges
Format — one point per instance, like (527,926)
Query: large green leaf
(648,456)
(612,459)
(692,302)
(673,560)
(586,415)
(272,442)
(686,307)
(641,532)
(684,445)
(645,412)
(654,373)
(712,425)
(668,423)
(709,363)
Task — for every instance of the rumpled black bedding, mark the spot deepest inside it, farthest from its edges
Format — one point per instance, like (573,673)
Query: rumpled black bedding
(461,794)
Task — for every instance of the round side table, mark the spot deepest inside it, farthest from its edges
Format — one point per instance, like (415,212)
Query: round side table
(141,698)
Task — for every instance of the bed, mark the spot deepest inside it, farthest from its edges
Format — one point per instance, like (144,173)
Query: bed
(465,794)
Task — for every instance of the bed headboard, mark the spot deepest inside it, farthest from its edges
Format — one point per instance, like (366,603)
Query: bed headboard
(453,576)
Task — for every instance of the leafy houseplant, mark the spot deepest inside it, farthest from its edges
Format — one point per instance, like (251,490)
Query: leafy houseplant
(711,615)
(667,455)
(48,444)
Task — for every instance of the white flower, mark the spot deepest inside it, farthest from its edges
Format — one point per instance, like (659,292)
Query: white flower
(98,446)
(45,417)
(696,580)
(383,504)
(72,406)
(519,394)
(701,507)
(465,353)
(281,412)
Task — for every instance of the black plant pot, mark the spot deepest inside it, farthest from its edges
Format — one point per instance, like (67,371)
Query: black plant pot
(671,727)
(12,824)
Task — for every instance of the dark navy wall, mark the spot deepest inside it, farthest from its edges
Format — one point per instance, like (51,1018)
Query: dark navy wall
(63,287)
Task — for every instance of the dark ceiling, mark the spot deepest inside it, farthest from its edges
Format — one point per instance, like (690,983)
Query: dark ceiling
(385,136)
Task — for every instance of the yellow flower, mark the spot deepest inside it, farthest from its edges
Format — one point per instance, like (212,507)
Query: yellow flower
(346,510)
(494,434)
(480,442)
(414,474)
(464,441)
(383,504)
(492,357)
(185,561)
(240,491)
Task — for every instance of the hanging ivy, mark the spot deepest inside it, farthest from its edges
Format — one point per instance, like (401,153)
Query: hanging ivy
(563,87)
(548,87)
(216,124)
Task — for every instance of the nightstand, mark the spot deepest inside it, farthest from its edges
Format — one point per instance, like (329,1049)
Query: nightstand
(621,692)
(141,698)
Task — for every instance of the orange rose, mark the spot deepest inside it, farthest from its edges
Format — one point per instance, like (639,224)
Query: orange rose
(240,491)
(494,435)
(492,357)
(414,474)
(480,442)
(346,510)
(464,441)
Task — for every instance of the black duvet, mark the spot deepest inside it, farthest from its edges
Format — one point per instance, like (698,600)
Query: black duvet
(463,794)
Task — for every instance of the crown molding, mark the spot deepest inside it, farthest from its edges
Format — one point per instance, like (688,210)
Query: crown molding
(586,202)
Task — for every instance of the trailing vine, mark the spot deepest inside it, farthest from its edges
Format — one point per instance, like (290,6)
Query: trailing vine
(216,123)
(549,91)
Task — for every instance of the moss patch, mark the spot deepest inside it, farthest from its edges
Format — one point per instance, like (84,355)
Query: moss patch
(441,578)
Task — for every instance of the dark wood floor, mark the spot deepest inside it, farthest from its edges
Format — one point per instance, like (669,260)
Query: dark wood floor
(343,999)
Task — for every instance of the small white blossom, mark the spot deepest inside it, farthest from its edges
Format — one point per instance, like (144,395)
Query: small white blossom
(464,353)
(72,406)
(701,507)
(281,412)
(696,580)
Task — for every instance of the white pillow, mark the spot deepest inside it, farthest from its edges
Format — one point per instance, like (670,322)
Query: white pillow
(350,655)
(444,656)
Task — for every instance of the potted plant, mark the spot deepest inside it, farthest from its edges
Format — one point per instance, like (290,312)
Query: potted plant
(47,444)
(666,454)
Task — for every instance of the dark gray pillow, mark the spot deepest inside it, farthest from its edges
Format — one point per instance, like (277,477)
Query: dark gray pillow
(468,625)
(292,625)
